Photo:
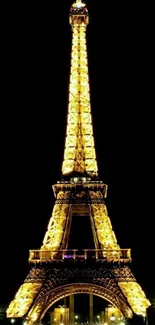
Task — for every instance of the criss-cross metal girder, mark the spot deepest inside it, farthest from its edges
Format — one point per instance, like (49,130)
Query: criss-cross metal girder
(57,272)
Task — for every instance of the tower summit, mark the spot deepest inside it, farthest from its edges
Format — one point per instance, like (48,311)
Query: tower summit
(58,270)
(79,154)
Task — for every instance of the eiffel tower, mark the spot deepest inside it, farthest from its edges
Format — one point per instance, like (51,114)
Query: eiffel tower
(56,270)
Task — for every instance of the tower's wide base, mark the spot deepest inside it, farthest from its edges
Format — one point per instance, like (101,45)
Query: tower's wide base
(47,283)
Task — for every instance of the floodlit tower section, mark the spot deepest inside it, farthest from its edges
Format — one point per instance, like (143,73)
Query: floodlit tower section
(79,154)
(79,193)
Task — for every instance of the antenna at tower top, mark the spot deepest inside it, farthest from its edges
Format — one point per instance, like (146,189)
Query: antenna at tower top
(78,4)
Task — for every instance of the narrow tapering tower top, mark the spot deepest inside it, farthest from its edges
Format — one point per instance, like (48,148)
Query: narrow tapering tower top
(79,154)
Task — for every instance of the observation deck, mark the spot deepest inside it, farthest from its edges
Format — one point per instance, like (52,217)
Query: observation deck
(78,183)
(107,255)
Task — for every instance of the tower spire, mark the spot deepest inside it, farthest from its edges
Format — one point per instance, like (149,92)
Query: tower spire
(79,154)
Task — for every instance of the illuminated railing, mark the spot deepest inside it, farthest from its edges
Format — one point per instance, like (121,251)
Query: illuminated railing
(121,255)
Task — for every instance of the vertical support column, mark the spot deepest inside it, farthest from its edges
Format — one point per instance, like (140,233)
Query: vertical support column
(65,320)
(90,309)
(71,309)
(106,315)
(65,302)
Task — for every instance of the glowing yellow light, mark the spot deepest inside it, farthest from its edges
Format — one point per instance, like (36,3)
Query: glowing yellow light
(34,316)
(135,297)
(78,3)
(79,154)
(23,299)
(79,158)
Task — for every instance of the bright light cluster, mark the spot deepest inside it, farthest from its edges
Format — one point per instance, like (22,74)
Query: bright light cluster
(135,296)
(106,235)
(56,225)
(23,299)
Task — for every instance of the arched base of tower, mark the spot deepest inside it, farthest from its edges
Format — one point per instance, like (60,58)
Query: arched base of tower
(65,279)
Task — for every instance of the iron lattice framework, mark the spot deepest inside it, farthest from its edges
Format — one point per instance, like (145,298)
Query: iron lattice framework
(55,271)
(79,155)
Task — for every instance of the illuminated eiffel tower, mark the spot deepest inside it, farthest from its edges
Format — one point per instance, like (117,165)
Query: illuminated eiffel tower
(56,270)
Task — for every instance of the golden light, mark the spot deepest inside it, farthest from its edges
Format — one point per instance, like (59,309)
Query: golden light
(79,154)
(78,3)
(79,158)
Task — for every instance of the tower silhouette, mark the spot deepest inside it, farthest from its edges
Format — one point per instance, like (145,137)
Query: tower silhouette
(98,266)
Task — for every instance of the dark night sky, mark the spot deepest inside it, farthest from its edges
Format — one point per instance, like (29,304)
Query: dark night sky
(36,59)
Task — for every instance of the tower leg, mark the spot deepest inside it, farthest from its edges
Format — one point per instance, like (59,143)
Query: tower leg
(91,309)
(71,309)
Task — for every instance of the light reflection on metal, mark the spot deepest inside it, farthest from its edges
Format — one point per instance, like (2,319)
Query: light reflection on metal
(81,195)
(120,255)
(78,4)
(57,222)
(105,233)
(135,296)
(23,299)
(62,211)
(79,155)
